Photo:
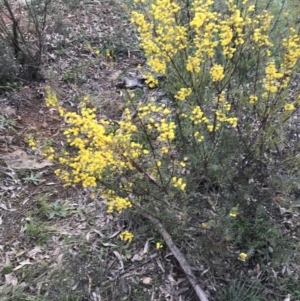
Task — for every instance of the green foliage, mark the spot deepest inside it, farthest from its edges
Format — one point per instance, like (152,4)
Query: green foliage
(72,4)
(69,76)
(49,209)
(59,209)
(8,67)
(27,275)
(242,290)
(36,230)
(7,269)
(8,123)
(33,178)
(21,56)
(43,206)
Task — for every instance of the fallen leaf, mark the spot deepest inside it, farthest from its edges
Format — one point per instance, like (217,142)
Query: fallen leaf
(4,207)
(146,247)
(108,244)
(115,75)
(25,262)
(20,160)
(8,111)
(118,255)
(288,298)
(114,234)
(137,257)
(34,251)
(147,280)
(11,279)
(160,265)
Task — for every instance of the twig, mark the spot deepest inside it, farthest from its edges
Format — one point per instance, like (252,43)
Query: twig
(176,252)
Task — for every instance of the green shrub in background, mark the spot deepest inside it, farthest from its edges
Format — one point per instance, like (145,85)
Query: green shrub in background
(22,40)
(210,157)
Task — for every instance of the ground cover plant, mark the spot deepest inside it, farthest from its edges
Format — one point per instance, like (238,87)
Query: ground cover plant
(198,156)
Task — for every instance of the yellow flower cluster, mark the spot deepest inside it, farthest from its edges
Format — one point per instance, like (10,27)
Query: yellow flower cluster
(159,245)
(277,78)
(151,81)
(197,116)
(51,98)
(226,36)
(289,107)
(100,148)
(253,99)
(292,47)
(31,142)
(178,183)
(154,117)
(271,81)
(48,152)
(222,112)
(204,25)
(183,93)
(126,236)
(115,202)
(242,257)
(45,149)
(211,121)
(261,24)
(221,117)
(231,30)
(212,128)
(166,129)
(193,64)
(225,105)
(161,37)
(198,136)
(234,211)
(217,73)
(209,224)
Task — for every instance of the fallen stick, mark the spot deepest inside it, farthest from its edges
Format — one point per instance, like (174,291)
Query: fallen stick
(178,255)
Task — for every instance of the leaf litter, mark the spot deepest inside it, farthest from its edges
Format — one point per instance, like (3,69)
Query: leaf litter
(21,160)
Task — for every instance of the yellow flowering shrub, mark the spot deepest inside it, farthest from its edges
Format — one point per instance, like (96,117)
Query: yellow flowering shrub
(226,76)
(220,65)
(138,151)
